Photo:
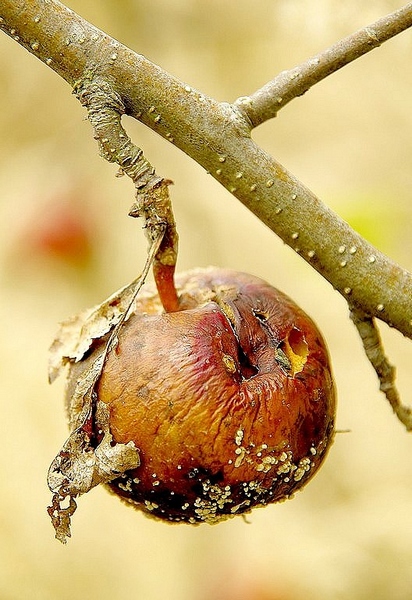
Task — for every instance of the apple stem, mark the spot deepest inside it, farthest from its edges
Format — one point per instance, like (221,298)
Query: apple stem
(164,279)
(164,264)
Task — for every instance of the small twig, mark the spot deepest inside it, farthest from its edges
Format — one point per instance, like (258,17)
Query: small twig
(386,373)
(105,108)
(266,102)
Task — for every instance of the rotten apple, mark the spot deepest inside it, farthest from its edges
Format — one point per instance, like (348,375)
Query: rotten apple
(229,400)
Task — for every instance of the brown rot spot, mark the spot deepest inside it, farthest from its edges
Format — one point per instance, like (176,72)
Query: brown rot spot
(229,363)
(261,315)
(247,368)
(282,360)
(295,349)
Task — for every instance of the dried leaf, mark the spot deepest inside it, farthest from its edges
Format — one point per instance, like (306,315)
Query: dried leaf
(83,462)
(76,334)
(80,466)
(60,516)
(90,456)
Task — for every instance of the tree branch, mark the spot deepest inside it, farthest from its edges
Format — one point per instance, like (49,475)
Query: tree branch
(266,102)
(217,136)
(386,373)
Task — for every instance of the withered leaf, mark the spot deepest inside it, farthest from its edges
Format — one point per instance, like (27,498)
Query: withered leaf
(84,461)
(89,456)
(76,334)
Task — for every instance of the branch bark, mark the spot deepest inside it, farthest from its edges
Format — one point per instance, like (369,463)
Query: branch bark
(385,372)
(217,136)
(266,102)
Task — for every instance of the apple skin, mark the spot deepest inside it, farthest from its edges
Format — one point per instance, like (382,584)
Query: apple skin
(230,401)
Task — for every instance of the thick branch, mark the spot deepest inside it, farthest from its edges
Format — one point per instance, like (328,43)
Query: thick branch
(266,102)
(217,136)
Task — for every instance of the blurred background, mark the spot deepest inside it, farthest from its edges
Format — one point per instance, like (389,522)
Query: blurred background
(66,243)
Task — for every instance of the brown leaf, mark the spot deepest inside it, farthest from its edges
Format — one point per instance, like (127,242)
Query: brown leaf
(76,334)
(83,462)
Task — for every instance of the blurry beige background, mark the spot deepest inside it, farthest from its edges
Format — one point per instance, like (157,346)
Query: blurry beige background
(348,535)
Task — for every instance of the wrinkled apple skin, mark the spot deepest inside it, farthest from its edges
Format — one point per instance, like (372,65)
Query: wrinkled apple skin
(230,401)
